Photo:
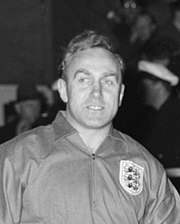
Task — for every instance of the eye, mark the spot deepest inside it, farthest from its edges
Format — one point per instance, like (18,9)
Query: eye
(108,81)
(84,80)
(82,76)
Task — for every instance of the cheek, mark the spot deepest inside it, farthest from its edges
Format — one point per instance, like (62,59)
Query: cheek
(77,94)
(112,98)
(74,99)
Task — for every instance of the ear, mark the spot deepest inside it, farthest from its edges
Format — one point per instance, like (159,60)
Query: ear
(121,93)
(62,89)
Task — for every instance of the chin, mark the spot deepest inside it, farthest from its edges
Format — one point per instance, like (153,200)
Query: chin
(97,124)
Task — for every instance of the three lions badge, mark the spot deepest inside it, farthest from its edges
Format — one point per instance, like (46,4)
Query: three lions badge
(131,177)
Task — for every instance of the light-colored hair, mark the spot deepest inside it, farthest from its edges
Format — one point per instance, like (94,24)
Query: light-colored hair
(86,40)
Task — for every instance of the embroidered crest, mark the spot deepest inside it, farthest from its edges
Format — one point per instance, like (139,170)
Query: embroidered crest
(131,177)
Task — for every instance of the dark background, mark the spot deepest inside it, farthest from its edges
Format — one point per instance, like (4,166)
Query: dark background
(34,32)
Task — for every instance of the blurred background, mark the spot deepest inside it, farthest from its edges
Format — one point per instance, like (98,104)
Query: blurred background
(33,32)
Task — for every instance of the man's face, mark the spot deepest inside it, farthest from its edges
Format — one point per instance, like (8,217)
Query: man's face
(93,91)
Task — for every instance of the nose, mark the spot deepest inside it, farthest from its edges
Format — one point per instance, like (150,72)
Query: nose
(97,90)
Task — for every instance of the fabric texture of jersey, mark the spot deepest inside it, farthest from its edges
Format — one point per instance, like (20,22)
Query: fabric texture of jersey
(48,176)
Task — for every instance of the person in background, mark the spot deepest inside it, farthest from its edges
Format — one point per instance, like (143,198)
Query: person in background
(54,106)
(159,9)
(141,32)
(171,29)
(133,111)
(128,15)
(158,50)
(129,11)
(28,108)
(159,132)
(79,169)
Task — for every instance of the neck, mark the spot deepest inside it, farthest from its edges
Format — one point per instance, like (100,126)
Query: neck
(94,138)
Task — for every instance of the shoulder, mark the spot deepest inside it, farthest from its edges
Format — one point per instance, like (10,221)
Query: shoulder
(130,142)
(31,144)
(136,152)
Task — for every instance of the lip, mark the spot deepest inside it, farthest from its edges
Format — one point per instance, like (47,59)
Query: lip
(95,107)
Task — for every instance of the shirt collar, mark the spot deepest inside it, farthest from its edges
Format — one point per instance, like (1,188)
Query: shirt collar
(63,128)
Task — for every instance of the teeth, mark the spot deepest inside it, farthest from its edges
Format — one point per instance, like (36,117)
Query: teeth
(95,107)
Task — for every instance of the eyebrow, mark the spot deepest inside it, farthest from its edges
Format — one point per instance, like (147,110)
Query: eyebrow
(86,72)
(81,70)
(116,75)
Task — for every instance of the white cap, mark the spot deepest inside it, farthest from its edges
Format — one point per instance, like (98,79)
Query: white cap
(158,71)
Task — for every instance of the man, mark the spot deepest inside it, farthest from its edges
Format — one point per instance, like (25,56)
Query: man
(161,134)
(27,109)
(79,169)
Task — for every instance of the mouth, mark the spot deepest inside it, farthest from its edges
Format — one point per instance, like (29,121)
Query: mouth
(95,108)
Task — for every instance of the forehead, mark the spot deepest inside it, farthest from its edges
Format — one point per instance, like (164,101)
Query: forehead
(94,58)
